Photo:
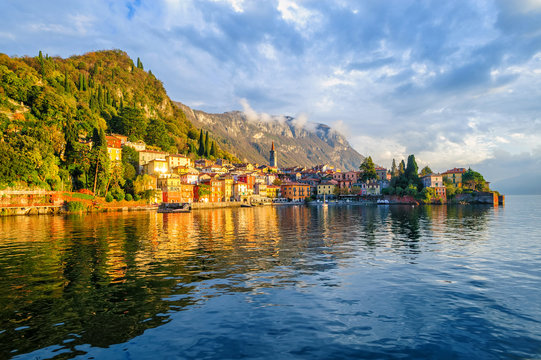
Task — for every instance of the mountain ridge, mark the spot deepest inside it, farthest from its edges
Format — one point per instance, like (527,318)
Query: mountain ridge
(297,142)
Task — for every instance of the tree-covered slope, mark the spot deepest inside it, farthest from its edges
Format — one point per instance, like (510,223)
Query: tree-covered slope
(50,107)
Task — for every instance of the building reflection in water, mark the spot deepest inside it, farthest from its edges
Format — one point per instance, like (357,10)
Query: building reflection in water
(123,273)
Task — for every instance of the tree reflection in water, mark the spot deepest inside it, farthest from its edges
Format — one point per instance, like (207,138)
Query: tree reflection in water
(103,279)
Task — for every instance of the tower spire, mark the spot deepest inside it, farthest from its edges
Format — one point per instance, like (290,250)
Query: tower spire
(272,158)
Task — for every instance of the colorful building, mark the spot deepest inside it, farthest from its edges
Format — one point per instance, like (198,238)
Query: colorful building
(327,188)
(273,191)
(381,173)
(157,167)
(175,160)
(260,189)
(146,156)
(212,191)
(114,148)
(454,176)
(295,191)
(248,179)
(240,191)
(432,180)
(227,188)
(182,194)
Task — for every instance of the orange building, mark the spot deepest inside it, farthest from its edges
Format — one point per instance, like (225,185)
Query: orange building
(248,179)
(295,191)
(208,191)
(441,191)
(182,194)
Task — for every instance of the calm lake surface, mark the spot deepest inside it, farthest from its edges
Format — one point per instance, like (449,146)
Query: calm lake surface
(286,282)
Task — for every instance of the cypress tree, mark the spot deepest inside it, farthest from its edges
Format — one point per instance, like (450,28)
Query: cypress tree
(394,170)
(412,168)
(66,82)
(40,56)
(207,144)
(81,82)
(213,151)
(70,134)
(201,149)
(139,64)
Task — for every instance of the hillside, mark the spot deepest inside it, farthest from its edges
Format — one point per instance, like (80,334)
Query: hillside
(50,107)
(251,140)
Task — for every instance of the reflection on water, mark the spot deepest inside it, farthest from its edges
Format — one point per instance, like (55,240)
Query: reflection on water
(70,284)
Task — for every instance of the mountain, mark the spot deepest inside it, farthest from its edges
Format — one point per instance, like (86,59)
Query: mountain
(296,143)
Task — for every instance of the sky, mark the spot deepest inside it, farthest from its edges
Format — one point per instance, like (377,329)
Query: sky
(457,83)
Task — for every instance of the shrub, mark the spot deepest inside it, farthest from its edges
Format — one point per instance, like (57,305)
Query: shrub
(117,193)
(136,197)
(128,197)
(109,198)
(73,206)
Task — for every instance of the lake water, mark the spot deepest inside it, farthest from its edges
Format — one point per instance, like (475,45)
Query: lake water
(285,282)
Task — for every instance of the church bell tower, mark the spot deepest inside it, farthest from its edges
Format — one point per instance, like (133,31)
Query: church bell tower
(272,158)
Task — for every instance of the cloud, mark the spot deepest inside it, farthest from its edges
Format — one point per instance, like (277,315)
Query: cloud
(400,76)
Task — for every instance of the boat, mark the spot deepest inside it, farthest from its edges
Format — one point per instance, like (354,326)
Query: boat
(245,205)
(174,208)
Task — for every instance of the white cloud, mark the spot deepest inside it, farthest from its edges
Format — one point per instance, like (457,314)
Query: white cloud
(299,16)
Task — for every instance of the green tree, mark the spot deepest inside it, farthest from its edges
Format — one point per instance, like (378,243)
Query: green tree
(201,149)
(81,82)
(139,64)
(474,180)
(368,170)
(412,168)
(213,151)
(158,135)
(426,171)
(130,122)
(207,144)
(394,169)
(401,168)
(72,149)
(143,183)
(99,162)
(66,83)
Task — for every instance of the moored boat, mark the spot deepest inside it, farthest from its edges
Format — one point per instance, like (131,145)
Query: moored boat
(174,208)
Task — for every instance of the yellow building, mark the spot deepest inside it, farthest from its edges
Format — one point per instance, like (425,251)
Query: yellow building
(175,160)
(273,191)
(260,189)
(115,154)
(227,188)
(114,148)
(146,156)
(156,167)
(169,183)
(327,188)
(454,176)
